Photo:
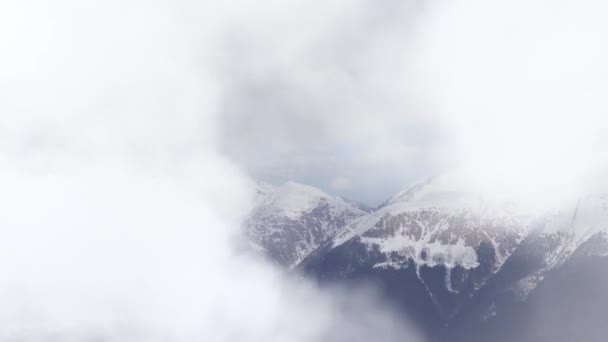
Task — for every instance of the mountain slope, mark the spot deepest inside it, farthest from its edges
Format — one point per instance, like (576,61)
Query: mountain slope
(290,221)
(460,266)
(564,255)
(442,245)
(450,258)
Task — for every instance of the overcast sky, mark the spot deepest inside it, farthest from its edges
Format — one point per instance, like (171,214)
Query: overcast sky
(362,100)
(323,102)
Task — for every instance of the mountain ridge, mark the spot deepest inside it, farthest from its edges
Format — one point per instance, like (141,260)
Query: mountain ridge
(444,255)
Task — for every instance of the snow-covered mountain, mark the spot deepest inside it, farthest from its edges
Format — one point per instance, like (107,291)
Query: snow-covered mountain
(455,262)
(443,253)
(552,288)
(290,221)
(446,240)
(560,235)
(432,226)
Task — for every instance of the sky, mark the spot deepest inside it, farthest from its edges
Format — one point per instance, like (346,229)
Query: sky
(365,100)
(319,104)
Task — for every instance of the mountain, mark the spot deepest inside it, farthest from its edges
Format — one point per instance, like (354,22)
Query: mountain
(462,267)
(459,264)
(552,288)
(290,221)
(431,247)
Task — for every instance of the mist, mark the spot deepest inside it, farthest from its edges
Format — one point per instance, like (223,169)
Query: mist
(119,210)
(518,87)
(506,95)
(132,133)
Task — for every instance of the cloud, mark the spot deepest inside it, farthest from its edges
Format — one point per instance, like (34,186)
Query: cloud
(119,209)
(517,90)
(329,95)
(509,94)
(341,183)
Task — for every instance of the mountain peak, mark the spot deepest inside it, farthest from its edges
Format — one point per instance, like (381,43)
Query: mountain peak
(291,220)
(291,199)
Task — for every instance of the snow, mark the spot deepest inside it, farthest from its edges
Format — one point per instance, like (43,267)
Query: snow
(430,195)
(570,227)
(292,220)
(292,199)
(436,253)
(575,225)
(438,196)
(503,224)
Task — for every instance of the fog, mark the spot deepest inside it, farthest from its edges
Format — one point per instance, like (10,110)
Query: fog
(118,208)
(130,132)
(518,89)
(509,94)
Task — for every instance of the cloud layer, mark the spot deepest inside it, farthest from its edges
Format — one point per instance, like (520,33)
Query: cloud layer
(508,93)
(518,91)
(118,210)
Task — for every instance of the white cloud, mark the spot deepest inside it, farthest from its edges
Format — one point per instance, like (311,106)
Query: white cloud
(118,210)
(510,93)
(341,183)
(518,88)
